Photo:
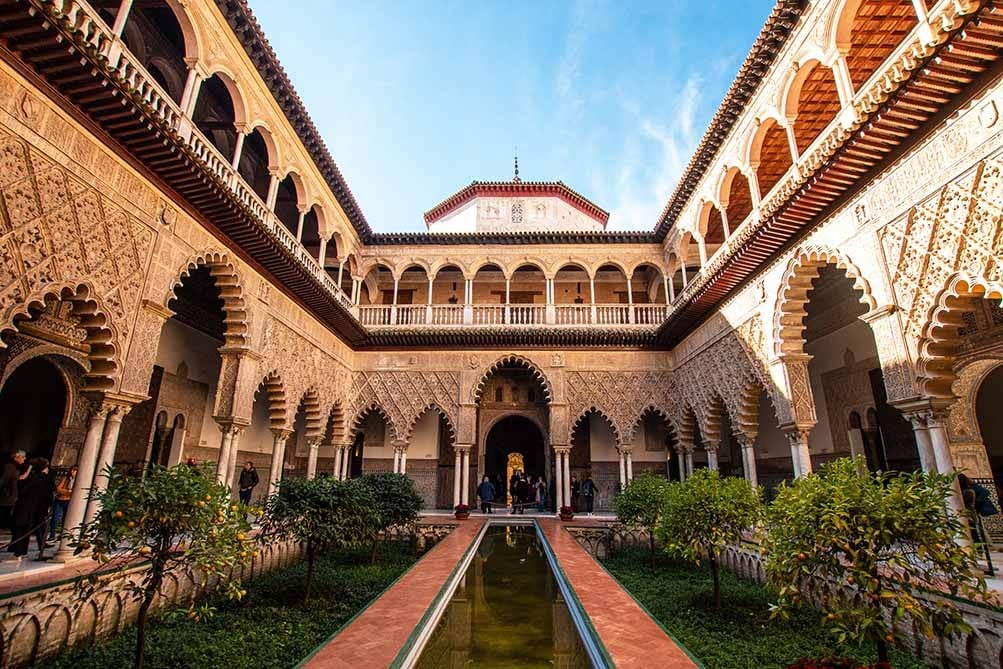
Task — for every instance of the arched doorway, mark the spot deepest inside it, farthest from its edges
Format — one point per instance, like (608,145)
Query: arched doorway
(32,409)
(512,442)
(990,420)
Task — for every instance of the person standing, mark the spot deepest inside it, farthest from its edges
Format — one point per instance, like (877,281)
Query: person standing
(486,491)
(541,493)
(64,489)
(589,492)
(522,493)
(9,476)
(45,494)
(24,516)
(576,493)
(248,479)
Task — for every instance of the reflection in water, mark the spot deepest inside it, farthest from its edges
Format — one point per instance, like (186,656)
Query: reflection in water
(507,611)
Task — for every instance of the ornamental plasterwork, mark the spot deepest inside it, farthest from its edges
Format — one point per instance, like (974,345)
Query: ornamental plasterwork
(621,397)
(403,395)
(956,230)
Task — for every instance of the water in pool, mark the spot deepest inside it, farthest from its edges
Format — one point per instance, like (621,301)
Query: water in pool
(507,611)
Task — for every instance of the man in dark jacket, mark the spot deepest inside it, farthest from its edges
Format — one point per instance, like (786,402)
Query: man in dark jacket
(486,491)
(248,479)
(35,489)
(522,493)
(8,488)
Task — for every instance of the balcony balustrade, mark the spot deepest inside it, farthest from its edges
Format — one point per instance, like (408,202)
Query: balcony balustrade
(505,315)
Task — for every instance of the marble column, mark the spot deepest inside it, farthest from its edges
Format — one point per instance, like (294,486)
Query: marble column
(403,460)
(748,457)
(234,463)
(397,455)
(465,484)
(457,477)
(927,456)
(689,462)
(622,463)
(566,455)
(338,450)
(106,456)
(711,458)
(630,466)
(313,451)
(797,438)
(86,465)
(279,437)
(558,483)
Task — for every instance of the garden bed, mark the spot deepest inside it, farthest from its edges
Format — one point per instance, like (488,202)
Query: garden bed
(268,628)
(741,635)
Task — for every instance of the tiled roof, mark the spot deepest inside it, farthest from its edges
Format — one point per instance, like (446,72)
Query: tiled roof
(514,189)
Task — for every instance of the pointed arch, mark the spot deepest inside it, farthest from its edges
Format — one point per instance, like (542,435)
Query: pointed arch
(598,411)
(511,361)
(940,340)
(770,154)
(812,102)
(102,336)
(335,429)
(231,291)
(360,417)
(795,285)
(650,409)
(735,197)
(433,407)
(313,424)
(275,396)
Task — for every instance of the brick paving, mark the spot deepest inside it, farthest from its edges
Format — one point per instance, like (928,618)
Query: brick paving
(375,637)
(631,637)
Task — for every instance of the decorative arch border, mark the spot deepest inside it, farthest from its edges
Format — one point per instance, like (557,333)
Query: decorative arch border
(602,413)
(655,409)
(67,354)
(795,285)
(940,339)
(231,291)
(482,441)
(517,360)
(361,414)
(433,407)
(275,396)
(313,426)
(102,336)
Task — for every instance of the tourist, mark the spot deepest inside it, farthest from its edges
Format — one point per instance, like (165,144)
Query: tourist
(576,492)
(8,488)
(522,493)
(552,494)
(64,489)
(541,493)
(30,508)
(589,493)
(486,491)
(248,479)
(45,481)
(977,502)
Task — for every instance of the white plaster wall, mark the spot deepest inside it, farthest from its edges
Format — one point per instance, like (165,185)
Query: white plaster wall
(376,438)
(181,343)
(463,219)
(425,438)
(828,354)
(257,437)
(770,441)
(601,441)
(652,435)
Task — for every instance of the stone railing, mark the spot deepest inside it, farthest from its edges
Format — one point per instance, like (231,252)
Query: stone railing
(500,315)
(80,19)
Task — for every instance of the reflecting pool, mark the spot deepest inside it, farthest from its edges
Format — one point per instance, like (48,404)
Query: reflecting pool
(507,610)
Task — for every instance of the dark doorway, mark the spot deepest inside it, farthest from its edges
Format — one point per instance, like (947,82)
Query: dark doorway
(32,408)
(355,464)
(990,419)
(514,434)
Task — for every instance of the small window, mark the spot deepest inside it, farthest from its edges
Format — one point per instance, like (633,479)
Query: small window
(532,395)
(498,394)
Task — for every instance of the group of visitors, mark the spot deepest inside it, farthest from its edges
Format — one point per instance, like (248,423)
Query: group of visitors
(533,491)
(33,502)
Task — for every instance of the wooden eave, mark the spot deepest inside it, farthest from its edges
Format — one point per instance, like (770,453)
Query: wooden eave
(37,35)
(940,83)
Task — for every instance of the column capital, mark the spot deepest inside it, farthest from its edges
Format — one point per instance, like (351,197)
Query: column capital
(313,442)
(281,432)
(744,439)
(463,448)
(926,411)
(797,434)
(400,445)
(561,448)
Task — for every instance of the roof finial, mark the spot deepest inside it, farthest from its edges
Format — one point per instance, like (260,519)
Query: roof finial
(516,177)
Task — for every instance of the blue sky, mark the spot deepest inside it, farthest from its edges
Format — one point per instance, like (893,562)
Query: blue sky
(417,99)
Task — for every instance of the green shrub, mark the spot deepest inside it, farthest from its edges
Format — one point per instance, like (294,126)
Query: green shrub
(179,519)
(319,513)
(640,505)
(882,540)
(397,503)
(704,515)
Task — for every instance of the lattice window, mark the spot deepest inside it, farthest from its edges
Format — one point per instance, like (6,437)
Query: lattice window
(517,213)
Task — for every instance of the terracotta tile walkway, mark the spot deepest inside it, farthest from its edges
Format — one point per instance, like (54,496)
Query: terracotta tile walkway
(375,637)
(632,638)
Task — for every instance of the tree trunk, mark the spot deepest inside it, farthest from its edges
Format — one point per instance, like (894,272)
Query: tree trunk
(651,543)
(715,570)
(882,650)
(156,578)
(309,571)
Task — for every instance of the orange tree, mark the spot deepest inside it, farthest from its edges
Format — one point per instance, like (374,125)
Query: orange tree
(180,520)
(640,505)
(319,513)
(704,515)
(397,504)
(873,550)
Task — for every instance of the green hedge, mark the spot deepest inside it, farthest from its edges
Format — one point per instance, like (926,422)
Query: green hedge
(741,635)
(268,628)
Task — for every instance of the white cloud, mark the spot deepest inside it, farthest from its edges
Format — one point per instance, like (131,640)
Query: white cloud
(647,175)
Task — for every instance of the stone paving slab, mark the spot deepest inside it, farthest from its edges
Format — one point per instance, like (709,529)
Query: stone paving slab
(630,636)
(377,635)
